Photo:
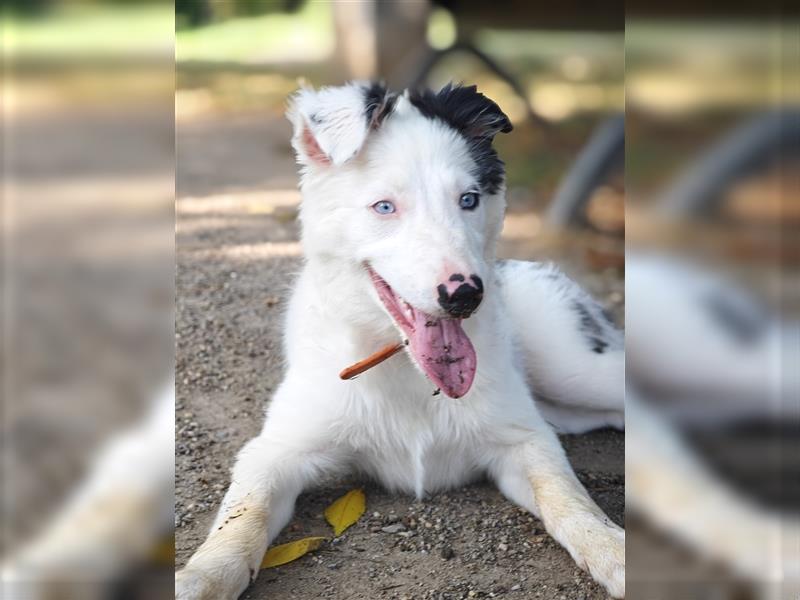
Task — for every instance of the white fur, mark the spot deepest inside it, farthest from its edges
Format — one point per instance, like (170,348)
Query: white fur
(576,388)
(387,423)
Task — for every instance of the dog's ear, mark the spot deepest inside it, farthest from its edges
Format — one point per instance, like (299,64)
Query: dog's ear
(465,109)
(332,124)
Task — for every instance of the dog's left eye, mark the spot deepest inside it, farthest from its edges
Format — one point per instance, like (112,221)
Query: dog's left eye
(384,207)
(469,201)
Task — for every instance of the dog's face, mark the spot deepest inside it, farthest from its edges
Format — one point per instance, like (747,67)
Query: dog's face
(410,188)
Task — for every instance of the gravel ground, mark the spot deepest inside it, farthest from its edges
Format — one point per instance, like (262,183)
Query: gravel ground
(236,259)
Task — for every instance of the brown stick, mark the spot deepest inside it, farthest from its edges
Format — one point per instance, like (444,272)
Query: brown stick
(372,360)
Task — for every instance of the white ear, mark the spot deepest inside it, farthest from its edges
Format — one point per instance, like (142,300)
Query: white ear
(332,124)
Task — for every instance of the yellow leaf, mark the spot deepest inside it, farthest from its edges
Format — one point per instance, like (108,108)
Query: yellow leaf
(346,511)
(285,553)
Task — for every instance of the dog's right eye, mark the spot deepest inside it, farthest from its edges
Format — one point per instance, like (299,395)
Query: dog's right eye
(384,207)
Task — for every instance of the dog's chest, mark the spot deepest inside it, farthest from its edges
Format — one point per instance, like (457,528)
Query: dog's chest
(418,443)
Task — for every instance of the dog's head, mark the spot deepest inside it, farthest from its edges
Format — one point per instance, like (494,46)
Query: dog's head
(409,187)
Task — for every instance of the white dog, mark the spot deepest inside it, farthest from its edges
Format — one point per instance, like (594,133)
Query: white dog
(403,202)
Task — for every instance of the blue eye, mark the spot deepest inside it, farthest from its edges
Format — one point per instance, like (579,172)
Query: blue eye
(469,201)
(384,207)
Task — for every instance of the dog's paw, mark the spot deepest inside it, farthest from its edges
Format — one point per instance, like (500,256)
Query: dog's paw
(601,552)
(607,562)
(193,584)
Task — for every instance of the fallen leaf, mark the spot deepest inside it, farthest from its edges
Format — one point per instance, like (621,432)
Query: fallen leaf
(346,511)
(286,553)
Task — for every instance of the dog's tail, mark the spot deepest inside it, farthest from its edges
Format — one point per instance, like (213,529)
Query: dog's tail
(569,347)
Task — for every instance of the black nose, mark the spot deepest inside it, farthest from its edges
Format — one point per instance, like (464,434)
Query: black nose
(464,300)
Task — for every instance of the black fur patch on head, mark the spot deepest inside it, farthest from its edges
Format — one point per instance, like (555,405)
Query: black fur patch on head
(474,116)
(378,104)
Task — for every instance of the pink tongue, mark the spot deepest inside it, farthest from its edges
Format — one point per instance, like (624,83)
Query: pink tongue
(444,352)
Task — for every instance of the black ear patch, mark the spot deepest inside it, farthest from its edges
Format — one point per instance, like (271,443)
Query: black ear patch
(378,104)
(474,116)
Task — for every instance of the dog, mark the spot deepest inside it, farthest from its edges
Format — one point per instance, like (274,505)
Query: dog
(403,204)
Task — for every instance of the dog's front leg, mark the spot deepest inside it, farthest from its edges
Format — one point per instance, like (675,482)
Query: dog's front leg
(270,473)
(536,475)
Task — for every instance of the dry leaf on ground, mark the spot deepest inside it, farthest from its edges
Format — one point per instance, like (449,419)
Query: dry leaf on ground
(343,513)
(346,511)
(285,553)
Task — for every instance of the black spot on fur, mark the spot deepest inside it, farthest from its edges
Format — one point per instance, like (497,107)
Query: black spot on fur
(378,104)
(591,328)
(456,277)
(474,116)
(598,345)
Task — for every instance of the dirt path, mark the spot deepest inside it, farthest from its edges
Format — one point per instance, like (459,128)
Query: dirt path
(237,255)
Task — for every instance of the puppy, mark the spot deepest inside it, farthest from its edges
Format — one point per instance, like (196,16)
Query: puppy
(403,203)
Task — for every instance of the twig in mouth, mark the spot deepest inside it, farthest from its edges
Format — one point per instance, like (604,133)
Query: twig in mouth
(372,360)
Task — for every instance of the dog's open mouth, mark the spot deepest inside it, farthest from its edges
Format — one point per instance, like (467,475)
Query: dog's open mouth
(438,345)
